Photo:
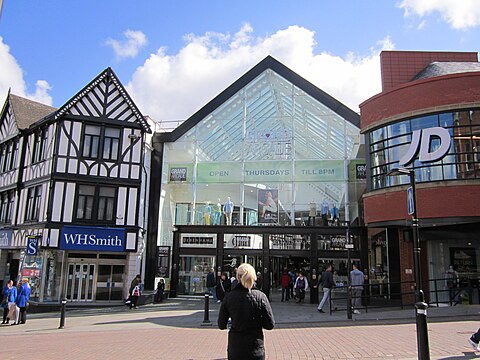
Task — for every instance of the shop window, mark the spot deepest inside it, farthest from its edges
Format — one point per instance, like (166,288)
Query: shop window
(95,203)
(104,141)
(34,195)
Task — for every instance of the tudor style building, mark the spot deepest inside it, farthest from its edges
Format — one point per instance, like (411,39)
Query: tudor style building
(72,193)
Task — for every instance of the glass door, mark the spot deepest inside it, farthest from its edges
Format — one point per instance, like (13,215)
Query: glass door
(80,282)
(110,282)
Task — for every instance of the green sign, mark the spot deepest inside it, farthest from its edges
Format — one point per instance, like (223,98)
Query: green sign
(219,172)
(268,171)
(319,170)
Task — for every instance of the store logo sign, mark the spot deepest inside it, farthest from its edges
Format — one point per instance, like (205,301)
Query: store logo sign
(421,145)
(92,239)
(5,238)
(32,245)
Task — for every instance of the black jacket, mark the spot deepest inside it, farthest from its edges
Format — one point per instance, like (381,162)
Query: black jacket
(250,312)
(326,280)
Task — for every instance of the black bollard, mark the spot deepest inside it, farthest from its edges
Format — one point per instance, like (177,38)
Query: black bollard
(206,321)
(422,330)
(62,314)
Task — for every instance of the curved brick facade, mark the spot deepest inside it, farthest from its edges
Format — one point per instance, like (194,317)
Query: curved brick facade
(421,96)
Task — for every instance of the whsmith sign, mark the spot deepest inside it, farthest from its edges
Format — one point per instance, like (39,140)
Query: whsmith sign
(92,239)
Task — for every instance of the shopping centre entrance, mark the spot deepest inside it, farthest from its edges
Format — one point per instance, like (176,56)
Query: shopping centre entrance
(197,249)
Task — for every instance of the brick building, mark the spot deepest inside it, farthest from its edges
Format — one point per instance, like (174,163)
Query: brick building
(426,119)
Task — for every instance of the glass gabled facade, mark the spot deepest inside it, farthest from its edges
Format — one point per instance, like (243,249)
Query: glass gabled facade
(270,140)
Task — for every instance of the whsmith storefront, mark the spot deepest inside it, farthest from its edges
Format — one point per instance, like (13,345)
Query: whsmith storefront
(269,172)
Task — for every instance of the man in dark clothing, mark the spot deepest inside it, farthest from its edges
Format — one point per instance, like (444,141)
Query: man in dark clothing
(326,281)
(211,285)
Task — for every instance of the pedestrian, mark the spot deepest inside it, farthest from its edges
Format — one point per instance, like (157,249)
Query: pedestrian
(134,291)
(285,282)
(259,283)
(233,279)
(223,287)
(327,283)
(212,284)
(451,283)
(301,286)
(9,294)
(250,313)
(293,277)
(475,340)
(356,282)
(22,302)
(160,290)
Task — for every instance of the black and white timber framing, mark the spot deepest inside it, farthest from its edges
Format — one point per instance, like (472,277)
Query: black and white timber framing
(95,139)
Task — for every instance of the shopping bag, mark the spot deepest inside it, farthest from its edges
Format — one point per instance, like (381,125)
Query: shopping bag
(12,312)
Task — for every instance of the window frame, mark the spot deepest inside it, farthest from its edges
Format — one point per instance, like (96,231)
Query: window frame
(101,146)
(96,204)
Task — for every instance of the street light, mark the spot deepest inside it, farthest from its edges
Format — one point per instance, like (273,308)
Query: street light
(420,305)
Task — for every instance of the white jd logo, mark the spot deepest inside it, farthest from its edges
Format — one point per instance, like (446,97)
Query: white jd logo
(422,139)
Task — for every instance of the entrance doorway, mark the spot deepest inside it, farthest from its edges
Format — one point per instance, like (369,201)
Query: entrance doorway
(293,265)
(110,282)
(80,280)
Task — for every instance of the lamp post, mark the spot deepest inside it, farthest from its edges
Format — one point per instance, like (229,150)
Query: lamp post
(420,305)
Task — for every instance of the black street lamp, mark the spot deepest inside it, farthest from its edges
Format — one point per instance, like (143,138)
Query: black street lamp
(420,304)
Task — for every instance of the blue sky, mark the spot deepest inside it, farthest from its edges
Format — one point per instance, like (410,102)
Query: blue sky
(174,56)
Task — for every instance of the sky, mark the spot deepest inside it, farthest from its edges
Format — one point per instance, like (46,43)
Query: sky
(175,56)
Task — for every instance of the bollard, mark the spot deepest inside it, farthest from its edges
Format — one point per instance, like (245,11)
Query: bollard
(62,314)
(422,331)
(206,321)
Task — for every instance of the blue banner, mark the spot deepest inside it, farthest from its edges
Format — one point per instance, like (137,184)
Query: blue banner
(5,238)
(92,239)
(32,245)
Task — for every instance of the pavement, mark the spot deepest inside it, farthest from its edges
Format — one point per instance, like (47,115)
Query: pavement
(179,329)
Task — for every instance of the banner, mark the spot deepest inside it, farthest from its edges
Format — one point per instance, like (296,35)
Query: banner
(267,206)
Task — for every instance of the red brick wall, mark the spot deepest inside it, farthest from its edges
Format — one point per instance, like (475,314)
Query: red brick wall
(440,201)
(399,67)
(417,96)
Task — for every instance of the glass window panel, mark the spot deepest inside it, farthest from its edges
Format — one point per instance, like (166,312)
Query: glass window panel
(398,129)
(424,122)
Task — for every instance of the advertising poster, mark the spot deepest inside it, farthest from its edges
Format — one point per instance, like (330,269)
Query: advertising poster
(267,206)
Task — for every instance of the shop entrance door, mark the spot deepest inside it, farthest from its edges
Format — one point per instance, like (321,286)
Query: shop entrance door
(80,281)
(110,282)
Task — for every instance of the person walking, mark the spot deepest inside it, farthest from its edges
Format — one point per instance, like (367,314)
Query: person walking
(134,291)
(22,302)
(160,290)
(212,284)
(326,281)
(301,286)
(474,340)
(284,282)
(223,287)
(356,283)
(9,294)
(250,312)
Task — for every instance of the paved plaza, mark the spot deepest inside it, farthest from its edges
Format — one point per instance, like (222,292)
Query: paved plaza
(175,329)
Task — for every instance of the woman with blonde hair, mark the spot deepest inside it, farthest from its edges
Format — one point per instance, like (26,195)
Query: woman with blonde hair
(250,312)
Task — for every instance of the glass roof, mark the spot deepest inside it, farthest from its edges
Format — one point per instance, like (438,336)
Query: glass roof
(271,119)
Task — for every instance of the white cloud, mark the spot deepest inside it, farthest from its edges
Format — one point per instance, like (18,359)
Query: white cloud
(11,77)
(129,48)
(459,14)
(173,87)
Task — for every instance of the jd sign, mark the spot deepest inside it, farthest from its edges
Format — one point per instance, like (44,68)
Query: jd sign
(422,139)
